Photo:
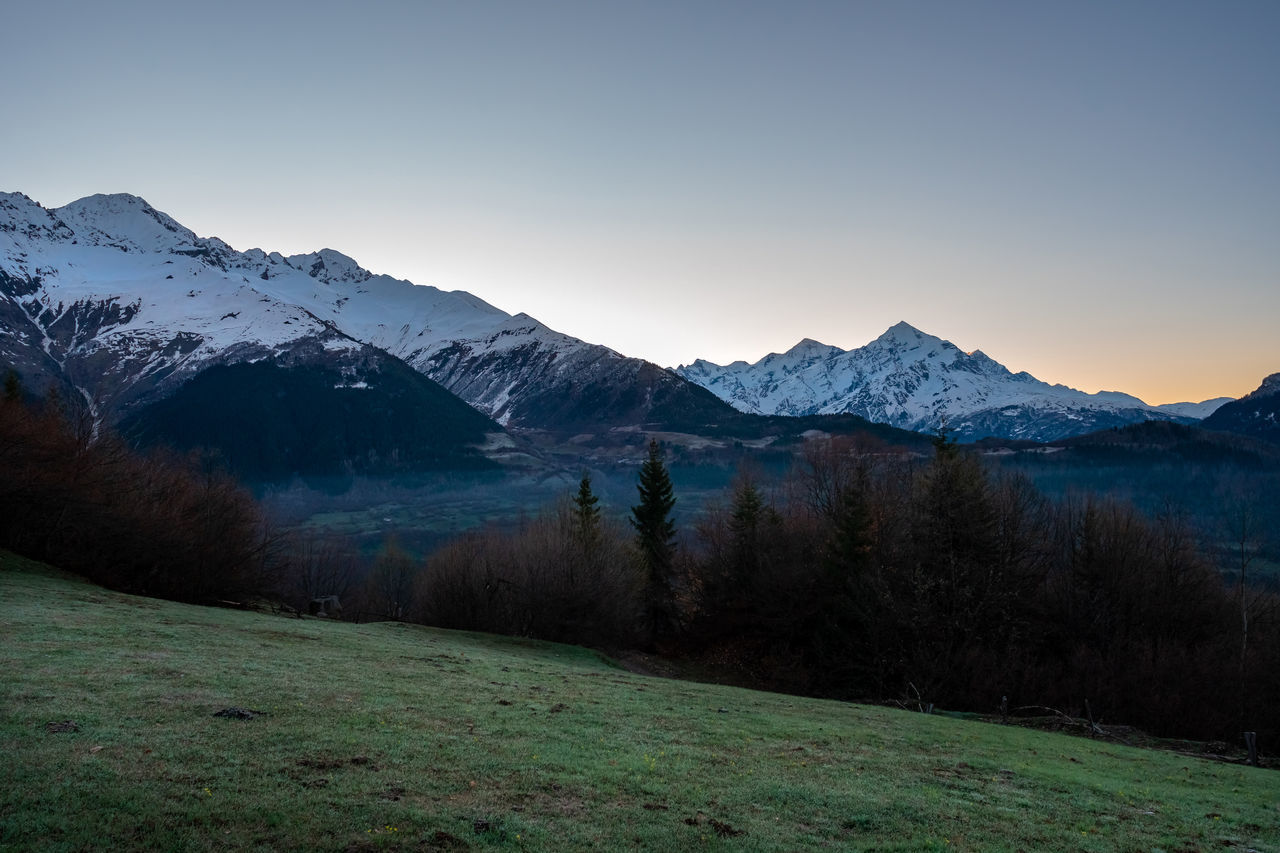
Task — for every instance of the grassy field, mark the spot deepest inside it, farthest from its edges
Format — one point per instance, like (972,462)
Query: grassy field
(386,737)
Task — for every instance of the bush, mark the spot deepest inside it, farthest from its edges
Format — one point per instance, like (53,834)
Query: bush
(543,580)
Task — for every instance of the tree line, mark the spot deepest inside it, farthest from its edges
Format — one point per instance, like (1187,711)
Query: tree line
(155,524)
(876,576)
(873,576)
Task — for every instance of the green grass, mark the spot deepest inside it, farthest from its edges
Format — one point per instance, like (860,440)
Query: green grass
(385,737)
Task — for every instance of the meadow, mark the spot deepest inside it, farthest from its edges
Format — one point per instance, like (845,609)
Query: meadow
(385,736)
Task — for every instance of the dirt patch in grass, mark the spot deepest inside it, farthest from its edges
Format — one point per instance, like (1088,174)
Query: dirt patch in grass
(722,828)
(305,770)
(441,840)
(287,636)
(239,713)
(553,802)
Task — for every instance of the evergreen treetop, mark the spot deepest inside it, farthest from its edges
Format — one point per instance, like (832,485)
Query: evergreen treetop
(655,530)
(12,387)
(586,512)
(655,542)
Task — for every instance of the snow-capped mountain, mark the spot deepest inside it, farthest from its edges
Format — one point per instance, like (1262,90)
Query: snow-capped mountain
(114,302)
(511,367)
(127,304)
(919,382)
(123,303)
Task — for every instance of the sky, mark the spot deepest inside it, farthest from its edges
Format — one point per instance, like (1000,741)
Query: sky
(1085,190)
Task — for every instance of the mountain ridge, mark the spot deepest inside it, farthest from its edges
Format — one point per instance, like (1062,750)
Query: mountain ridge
(122,304)
(913,380)
(1255,414)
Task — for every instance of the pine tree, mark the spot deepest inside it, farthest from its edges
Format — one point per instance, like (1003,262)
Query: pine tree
(12,387)
(655,540)
(585,536)
(586,514)
(746,519)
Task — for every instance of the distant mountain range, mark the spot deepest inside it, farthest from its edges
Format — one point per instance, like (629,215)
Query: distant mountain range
(312,363)
(120,305)
(919,382)
(126,303)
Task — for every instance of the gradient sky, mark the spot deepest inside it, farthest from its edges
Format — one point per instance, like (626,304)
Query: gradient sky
(1089,191)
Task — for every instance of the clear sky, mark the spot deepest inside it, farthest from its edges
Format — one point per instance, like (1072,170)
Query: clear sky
(1089,191)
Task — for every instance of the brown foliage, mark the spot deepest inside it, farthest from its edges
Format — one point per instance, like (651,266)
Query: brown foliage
(543,580)
(152,524)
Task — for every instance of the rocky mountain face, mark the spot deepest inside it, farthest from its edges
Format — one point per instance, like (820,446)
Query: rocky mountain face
(120,305)
(116,304)
(512,367)
(1256,414)
(916,381)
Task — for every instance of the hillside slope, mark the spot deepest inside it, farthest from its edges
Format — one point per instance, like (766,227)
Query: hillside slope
(389,737)
(1255,414)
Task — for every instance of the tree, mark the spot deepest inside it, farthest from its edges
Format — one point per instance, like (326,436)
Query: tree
(12,387)
(753,529)
(732,539)
(947,587)
(586,514)
(390,585)
(655,541)
(1244,535)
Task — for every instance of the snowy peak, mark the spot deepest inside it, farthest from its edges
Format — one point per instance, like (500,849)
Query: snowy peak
(330,267)
(914,380)
(128,223)
(1197,411)
(124,305)
(808,348)
(22,217)
(1119,398)
(903,335)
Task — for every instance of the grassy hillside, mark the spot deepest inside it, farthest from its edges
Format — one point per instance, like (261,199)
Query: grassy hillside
(382,736)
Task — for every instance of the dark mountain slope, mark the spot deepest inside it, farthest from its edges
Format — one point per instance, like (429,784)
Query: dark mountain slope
(1256,414)
(305,415)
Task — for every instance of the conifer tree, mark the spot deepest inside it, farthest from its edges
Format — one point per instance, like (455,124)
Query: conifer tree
(586,514)
(747,518)
(655,540)
(12,387)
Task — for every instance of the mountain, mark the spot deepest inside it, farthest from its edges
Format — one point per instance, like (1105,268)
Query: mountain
(919,382)
(310,415)
(122,306)
(1195,411)
(1256,414)
(117,304)
(512,367)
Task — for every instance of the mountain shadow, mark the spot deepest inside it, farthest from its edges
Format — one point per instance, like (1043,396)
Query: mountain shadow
(270,421)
